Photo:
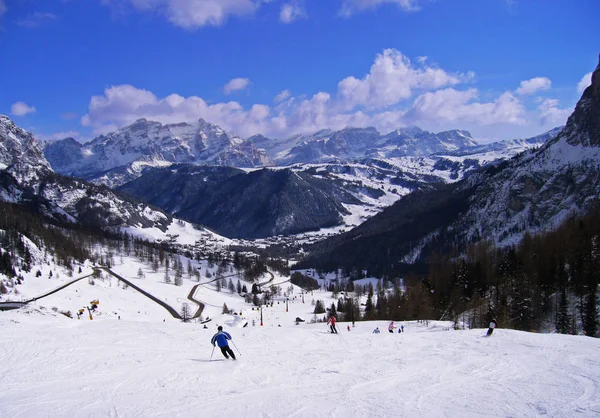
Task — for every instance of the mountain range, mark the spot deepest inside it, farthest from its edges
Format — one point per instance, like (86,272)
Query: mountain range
(307,182)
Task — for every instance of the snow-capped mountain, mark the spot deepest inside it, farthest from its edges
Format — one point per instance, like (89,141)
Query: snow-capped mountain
(357,190)
(534,191)
(18,146)
(152,143)
(26,178)
(359,143)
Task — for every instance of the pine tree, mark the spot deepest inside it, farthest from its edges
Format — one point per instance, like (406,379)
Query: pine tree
(178,278)
(562,318)
(319,307)
(225,309)
(590,325)
(332,310)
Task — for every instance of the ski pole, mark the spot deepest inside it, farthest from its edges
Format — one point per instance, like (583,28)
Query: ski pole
(238,350)
(213,351)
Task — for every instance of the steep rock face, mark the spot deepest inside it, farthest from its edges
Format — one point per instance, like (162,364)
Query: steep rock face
(149,141)
(18,146)
(583,127)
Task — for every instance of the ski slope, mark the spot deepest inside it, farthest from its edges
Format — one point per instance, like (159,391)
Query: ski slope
(149,365)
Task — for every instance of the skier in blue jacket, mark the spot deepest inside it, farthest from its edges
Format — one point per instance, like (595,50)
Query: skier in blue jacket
(221,338)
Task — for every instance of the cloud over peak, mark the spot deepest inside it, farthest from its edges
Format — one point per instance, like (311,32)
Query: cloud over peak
(534,85)
(394,93)
(21,109)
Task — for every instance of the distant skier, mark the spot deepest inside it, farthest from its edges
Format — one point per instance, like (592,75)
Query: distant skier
(376,330)
(492,325)
(402,328)
(391,327)
(221,338)
(331,324)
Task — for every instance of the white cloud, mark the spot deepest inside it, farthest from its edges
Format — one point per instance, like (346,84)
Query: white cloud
(235,85)
(551,114)
(456,107)
(585,81)
(21,109)
(350,7)
(534,85)
(33,20)
(391,79)
(2,8)
(192,14)
(380,99)
(124,104)
(290,12)
(282,96)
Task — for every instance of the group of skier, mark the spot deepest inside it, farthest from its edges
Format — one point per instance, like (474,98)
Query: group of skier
(222,338)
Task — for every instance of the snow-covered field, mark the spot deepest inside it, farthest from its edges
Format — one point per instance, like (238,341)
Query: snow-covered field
(140,366)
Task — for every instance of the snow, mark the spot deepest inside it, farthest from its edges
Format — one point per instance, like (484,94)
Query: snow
(127,362)
(186,233)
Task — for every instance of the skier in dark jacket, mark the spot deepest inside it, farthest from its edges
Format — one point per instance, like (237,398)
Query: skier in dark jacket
(492,325)
(221,338)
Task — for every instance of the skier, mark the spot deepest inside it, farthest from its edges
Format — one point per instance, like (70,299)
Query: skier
(402,327)
(221,338)
(331,324)
(376,330)
(391,327)
(492,325)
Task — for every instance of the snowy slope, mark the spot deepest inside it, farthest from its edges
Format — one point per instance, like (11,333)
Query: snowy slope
(53,366)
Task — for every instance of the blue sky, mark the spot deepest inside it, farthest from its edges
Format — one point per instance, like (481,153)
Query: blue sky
(499,68)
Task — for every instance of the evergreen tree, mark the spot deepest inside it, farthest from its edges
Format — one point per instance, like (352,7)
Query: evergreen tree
(590,324)
(319,307)
(562,318)
(333,311)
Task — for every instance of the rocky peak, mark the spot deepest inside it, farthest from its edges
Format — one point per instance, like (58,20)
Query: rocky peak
(19,146)
(583,126)
(596,79)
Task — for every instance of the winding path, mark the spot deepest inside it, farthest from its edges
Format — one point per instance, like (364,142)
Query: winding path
(17,305)
(169,308)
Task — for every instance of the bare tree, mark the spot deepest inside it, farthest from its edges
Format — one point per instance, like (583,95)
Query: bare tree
(186,312)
